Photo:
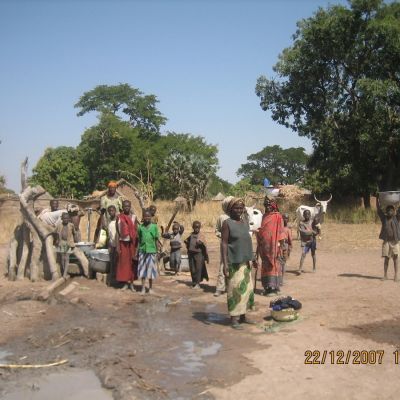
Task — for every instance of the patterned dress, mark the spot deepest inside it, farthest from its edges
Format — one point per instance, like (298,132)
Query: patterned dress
(240,292)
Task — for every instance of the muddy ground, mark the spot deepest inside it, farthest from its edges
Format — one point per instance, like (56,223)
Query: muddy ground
(179,345)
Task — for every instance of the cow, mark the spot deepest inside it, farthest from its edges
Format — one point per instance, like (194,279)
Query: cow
(319,210)
(254,218)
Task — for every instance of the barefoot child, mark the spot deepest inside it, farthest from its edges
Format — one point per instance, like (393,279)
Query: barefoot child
(112,241)
(126,226)
(197,254)
(308,231)
(390,234)
(148,244)
(175,242)
(287,248)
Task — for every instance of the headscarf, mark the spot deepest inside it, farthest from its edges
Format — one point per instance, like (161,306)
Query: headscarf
(112,184)
(232,202)
(272,204)
(225,203)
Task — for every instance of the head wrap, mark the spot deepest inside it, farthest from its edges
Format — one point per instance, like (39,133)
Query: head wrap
(225,203)
(232,202)
(271,204)
(112,184)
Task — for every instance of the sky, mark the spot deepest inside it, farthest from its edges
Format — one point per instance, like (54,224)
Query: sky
(200,58)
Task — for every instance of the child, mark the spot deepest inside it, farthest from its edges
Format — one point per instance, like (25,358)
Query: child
(112,241)
(126,228)
(287,248)
(153,211)
(221,284)
(197,254)
(390,234)
(148,243)
(65,241)
(175,241)
(308,231)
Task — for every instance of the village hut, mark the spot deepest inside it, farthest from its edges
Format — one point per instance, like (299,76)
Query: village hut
(218,197)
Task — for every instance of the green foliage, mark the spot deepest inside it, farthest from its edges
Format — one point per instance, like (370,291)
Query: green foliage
(141,109)
(338,84)
(280,166)
(105,149)
(190,174)
(115,148)
(61,172)
(217,185)
(239,189)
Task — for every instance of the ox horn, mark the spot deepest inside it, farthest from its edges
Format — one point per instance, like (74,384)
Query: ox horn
(319,201)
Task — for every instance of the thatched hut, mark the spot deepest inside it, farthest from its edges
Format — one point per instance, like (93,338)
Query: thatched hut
(218,197)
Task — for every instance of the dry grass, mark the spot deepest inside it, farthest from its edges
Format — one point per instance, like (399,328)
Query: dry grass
(206,212)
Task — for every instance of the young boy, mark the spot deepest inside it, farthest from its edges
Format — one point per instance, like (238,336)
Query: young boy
(127,232)
(65,241)
(153,211)
(148,244)
(308,231)
(175,242)
(390,234)
(197,254)
(287,248)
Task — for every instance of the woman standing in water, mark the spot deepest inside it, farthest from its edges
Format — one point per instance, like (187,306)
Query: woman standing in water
(237,252)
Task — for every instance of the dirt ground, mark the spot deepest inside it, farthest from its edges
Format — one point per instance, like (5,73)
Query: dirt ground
(179,345)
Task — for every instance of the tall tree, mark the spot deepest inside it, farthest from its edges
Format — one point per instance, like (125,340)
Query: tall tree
(61,172)
(338,84)
(280,166)
(105,149)
(190,174)
(140,108)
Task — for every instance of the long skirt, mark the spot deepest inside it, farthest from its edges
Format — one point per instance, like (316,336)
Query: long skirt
(198,269)
(239,289)
(271,274)
(125,271)
(147,267)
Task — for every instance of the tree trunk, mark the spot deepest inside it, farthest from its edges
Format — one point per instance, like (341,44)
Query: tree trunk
(25,240)
(367,200)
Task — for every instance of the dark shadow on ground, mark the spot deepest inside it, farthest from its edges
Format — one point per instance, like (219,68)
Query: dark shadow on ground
(386,331)
(359,276)
(210,318)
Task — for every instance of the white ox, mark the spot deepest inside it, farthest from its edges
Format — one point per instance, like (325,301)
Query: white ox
(319,210)
(254,218)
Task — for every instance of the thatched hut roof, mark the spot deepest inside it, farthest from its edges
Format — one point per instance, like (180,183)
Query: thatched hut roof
(218,197)
(180,199)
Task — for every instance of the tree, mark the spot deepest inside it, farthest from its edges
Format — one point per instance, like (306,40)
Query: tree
(218,185)
(338,84)
(190,174)
(280,166)
(244,186)
(61,172)
(105,149)
(141,109)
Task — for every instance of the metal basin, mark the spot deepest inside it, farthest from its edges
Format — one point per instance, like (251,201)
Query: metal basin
(86,247)
(100,255)
(389,198)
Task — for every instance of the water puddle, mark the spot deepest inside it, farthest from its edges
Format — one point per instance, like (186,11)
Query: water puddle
(192,356)
(70,385)
(3,356)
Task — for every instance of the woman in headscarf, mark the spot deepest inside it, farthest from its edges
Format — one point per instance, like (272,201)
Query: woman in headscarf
(220,286)
(270,246)
(237,252)
(111,198)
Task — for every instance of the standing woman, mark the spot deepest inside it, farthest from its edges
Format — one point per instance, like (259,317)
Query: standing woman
(127,244)
(237,252)
(271,245)
(111,198)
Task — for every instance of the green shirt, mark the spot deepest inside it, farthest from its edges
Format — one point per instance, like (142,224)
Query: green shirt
(148,236)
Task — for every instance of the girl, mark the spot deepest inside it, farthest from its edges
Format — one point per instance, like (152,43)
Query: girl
(148,243)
